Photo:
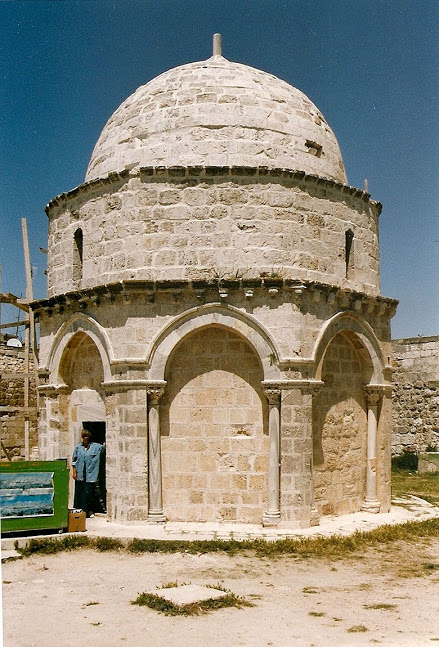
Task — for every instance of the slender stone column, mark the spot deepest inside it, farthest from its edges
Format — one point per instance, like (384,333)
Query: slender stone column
(373,397)
(272,515)
(155,508)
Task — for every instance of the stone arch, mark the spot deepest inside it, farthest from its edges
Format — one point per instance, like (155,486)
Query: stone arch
(361,334)
(347,359)
(214,429)
(79,323)
(228,317)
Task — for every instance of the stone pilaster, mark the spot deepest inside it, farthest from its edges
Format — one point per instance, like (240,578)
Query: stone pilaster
(308,392)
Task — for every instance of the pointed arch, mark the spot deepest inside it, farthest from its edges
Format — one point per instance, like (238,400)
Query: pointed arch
(220,315)
(361,335)
(85,324)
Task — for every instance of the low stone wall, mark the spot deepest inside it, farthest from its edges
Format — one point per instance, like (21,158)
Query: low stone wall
(12,417)
(416,394)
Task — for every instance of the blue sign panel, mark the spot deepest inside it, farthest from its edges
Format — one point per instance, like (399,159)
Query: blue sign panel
(26,494)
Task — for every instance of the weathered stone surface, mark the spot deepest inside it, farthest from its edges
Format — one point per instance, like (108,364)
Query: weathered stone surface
(203,301)
(12,365)
(220,113)
(416,394)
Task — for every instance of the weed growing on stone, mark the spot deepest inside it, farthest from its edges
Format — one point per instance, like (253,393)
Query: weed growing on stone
(154,601)
(316,614)
(357,629)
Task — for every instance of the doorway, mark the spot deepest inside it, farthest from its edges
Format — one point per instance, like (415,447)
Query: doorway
(97,430)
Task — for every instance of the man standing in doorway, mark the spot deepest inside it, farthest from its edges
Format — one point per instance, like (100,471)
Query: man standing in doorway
(85,463)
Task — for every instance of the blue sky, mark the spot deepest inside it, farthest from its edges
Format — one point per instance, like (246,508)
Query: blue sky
(371,66)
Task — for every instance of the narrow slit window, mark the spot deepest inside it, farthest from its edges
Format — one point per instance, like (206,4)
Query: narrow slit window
(349,251)
(78,255)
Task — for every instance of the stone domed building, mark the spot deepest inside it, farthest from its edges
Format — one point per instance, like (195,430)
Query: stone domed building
(214,310)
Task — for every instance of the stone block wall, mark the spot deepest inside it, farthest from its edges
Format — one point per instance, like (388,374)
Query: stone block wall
(214,431)
(415,394)
(127,470)
(340,432)
(12,361)
(198,224)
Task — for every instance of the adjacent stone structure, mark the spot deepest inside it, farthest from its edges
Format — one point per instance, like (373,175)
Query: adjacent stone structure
(214,299)
(13,416)
(416,394)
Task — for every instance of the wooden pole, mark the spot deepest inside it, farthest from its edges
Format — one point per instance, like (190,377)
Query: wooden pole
(29,334)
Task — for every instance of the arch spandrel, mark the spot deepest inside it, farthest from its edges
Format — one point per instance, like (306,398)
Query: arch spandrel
(79,323)
(219,315)
(358,330)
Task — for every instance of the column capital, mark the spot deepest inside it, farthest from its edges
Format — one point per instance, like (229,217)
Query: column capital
(52,390)
(272,393)
(373,393)
(155,390)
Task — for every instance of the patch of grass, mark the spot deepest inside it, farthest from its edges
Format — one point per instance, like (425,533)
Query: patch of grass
(192,547)
(424,486)
(7,582)
(357,629)
(167,607)
(431,566)
(103,544)
(90,604)
(316,614)
(334,547)
(50,546)
(382,606)
(309,589)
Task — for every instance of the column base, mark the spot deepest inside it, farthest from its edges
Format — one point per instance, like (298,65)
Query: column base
(314,519)
(156,517)
(271,519)
(371,505)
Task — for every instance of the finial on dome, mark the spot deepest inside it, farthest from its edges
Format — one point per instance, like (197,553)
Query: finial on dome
(217,45)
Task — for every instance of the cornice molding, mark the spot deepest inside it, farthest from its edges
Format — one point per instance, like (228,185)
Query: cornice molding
(180,172)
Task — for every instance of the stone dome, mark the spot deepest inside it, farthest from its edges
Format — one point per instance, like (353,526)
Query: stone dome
(217,113)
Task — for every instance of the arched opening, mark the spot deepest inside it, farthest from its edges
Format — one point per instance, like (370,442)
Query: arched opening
(82,402)
(340,426)
(214,429)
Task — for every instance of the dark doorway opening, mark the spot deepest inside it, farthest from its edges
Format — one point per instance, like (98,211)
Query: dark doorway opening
(97,430)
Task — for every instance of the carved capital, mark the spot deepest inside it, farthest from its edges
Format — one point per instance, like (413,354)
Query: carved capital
(273,395)
(155,393)
(373,394)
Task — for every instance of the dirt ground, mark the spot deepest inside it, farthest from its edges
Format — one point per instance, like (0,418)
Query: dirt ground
(83,598)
